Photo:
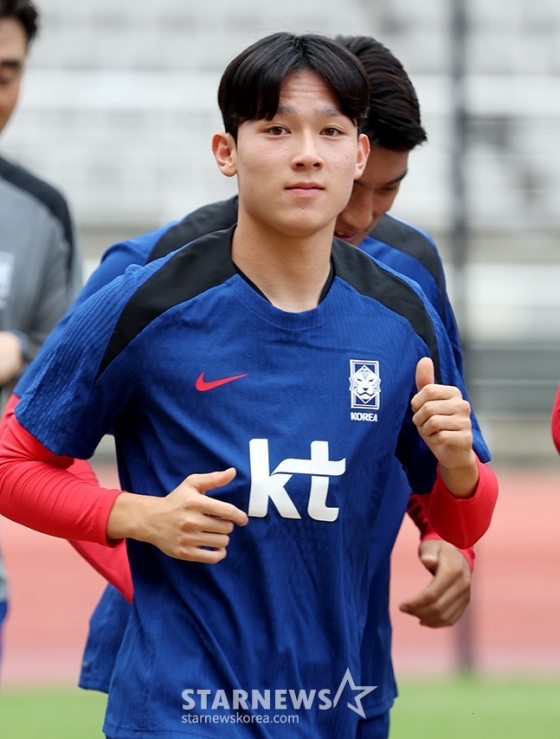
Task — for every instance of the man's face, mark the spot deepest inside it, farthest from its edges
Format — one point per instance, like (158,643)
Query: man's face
(13,50)
(295,172)
(372,195)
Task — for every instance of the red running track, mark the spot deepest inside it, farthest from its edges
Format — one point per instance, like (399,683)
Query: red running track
(515,613)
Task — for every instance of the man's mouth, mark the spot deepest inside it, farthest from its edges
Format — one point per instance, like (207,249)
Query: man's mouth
(305,188)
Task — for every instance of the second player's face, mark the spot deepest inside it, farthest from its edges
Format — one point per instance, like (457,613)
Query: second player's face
(296,172)
(372,195)
(13,50)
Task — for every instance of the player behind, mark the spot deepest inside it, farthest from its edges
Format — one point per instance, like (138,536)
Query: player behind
(272,316)
(40,268)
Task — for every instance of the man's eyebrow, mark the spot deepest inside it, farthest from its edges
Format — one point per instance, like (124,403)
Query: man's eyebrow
(400,178)
(327,111)
(11,64)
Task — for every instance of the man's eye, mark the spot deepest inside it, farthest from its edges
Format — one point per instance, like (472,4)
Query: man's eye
(276,130)
(331,131)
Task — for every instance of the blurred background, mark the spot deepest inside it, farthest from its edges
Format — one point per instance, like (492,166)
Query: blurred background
(118,108)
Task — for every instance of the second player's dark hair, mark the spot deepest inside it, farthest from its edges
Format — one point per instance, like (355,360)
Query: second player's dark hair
(393,119)
(251,84)
(25,12)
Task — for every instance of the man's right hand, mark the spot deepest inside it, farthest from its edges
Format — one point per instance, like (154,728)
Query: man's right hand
(184,524)
(443,601)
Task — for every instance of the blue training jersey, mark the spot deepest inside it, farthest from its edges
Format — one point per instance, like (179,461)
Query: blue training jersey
(316,406)
(403,247)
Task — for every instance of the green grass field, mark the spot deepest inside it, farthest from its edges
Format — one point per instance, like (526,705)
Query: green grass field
(51,714)
(477,709)
(442,709)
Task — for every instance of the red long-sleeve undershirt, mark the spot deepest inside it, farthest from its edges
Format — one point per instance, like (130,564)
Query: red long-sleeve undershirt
(555,421)
(110,561)
(417,511)
(463,521)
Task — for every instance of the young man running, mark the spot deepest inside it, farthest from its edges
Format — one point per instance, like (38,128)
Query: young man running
(393,127)
(279,306)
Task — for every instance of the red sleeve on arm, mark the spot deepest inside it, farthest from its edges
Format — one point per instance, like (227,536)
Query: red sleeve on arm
(555,423)
(417,512)
(463,521)
(79,467)
(36,490)
(111,563)
(82,469)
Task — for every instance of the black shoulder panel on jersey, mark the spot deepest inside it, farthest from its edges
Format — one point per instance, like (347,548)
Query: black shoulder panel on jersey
(42,191)
(198,267)
(214,217)
(371,280)
(407,239)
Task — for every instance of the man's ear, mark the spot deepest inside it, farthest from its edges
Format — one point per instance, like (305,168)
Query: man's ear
(363,154)
(225,151)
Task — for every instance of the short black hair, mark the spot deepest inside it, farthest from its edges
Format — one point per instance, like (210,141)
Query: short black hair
(393,119)
(23,11)
(251,84)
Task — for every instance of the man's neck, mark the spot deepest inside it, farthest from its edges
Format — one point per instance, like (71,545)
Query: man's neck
(290,271)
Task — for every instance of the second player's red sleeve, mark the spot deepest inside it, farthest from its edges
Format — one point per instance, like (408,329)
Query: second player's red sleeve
(463,521)
(38,491)
(417,512)
(111,562)
(555,421)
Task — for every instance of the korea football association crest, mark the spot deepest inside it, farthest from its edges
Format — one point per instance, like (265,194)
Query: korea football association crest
(365,384)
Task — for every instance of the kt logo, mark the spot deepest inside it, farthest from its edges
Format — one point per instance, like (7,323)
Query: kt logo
(267,485)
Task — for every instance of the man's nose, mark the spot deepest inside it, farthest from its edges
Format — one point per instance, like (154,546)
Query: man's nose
(308,156)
